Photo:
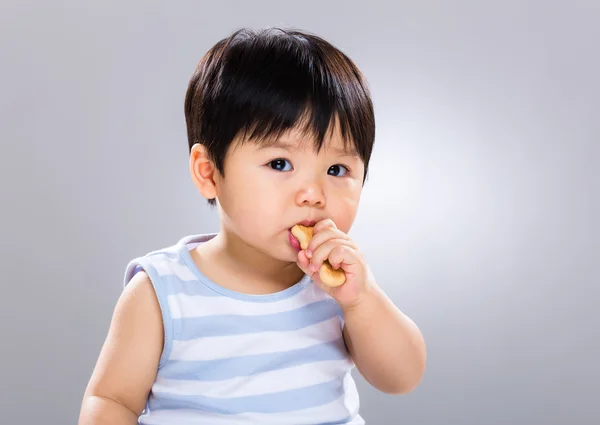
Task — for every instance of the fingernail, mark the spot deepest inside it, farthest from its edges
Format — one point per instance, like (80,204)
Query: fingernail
(308,253)
(312,267)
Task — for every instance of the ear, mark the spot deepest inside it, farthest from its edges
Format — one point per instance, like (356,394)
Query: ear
(203,171)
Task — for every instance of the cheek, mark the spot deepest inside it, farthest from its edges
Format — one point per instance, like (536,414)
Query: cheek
(252,207)
(344,212)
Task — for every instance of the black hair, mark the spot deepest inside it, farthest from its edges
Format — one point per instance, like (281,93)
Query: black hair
(261,83)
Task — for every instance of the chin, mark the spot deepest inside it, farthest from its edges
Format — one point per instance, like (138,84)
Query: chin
(288,255)
(277,246)
(278,251)
(285,253)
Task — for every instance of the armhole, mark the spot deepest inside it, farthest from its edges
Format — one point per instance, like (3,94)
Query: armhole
(142,264)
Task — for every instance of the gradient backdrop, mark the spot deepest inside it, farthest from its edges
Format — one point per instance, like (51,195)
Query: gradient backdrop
(480,216)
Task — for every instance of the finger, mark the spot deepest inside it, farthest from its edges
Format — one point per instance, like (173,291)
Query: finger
(323,236)
(303,261)
(324,250)
(342,254)
(314,275)
(324,224)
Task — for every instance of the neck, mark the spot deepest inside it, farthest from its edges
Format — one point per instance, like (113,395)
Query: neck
(231,252)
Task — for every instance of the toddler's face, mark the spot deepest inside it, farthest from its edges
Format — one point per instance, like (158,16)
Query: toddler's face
(268,189)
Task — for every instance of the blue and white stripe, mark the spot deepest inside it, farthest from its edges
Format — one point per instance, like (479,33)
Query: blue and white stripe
(232,358)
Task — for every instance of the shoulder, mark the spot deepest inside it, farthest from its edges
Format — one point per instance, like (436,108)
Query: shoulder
(139,285)
(138,304)
(128,361)
(137,317)
(173,261)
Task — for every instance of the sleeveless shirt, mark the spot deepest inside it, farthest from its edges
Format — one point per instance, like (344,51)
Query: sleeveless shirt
(233,358)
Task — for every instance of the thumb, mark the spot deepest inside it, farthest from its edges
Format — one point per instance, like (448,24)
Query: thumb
(303,263)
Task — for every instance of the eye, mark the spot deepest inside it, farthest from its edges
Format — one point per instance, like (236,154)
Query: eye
(280,165)
(337,170)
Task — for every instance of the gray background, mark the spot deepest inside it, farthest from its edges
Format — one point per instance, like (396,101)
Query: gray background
(480,217)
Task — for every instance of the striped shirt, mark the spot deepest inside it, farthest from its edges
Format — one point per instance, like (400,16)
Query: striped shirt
(233,358)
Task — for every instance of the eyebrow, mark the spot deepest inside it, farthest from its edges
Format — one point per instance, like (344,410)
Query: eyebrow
(278,144)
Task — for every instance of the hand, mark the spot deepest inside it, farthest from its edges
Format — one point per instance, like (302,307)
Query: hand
(330,243)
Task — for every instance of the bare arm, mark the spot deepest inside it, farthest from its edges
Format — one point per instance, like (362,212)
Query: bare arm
(387,347)
(121,381)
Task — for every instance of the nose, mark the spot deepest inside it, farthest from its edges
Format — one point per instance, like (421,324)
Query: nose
(311,194)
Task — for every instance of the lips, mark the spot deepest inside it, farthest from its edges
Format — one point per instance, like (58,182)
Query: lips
(292,239)
(308,223)
(295,243)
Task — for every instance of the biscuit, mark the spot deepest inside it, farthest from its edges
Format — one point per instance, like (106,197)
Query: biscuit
(329,276)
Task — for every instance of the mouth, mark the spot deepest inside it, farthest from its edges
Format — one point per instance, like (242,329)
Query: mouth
(294,242)
(308,223)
